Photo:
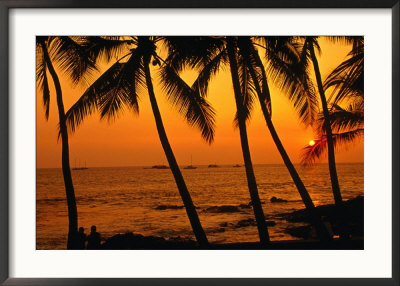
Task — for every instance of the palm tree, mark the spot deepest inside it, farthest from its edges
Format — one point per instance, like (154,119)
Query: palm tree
(68,54)
(208,54)
(241,119)
(347,81)
(256,69)
(299,73)
(75,57)
(309,45)
(119,86)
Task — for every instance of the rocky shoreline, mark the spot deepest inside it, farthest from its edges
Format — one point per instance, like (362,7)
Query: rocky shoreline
(353,211)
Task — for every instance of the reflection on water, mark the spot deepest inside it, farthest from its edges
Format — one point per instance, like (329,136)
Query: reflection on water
(146,201)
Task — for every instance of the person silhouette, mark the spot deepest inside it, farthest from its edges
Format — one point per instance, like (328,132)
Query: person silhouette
(78,239)
(81,238)
(93,239)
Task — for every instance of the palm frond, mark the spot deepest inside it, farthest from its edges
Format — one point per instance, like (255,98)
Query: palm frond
(248,89)
(110,93)
(105,47)
(193,52)
(123,90)
(342,118)
(288,49)
(73,59)
(347,119)
(255,64)
(348,40)
(287,67)
(347,79)
(195,108)
(312,153)
(292,79)
(208,71)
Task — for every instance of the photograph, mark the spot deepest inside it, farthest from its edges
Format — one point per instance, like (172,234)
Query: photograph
(220,142)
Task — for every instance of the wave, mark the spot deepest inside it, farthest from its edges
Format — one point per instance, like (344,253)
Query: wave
(223,209)
(215,230)
(228,208)
(168,207)
(252,222)
(51,201)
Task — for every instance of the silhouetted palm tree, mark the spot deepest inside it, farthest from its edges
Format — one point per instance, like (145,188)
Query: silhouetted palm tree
(120,85)
(347,82)
(208,54)
(300,73)
(241,115)
(257,72)
(310,44)
(72,60)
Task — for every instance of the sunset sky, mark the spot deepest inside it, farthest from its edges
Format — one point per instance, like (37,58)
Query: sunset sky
(132,140)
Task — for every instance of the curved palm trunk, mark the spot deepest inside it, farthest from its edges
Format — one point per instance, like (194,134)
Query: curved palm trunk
(69,187)
(251,179)
(183,191)
(331,150)
(316,220)
(344,232)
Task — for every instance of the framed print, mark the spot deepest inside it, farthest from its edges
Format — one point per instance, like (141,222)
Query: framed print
(206,143)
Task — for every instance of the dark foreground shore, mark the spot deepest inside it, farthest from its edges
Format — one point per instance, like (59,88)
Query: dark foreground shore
(352,214)
(350,219)
(131,241)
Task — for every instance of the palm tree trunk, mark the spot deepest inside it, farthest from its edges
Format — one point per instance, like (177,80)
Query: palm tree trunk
(251,179)
(331,150)
(69,187)
(316,220)
(183,191)
(341,215)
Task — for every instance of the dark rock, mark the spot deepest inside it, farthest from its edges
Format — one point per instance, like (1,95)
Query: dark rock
(250,203)
(277,200)
(252,222)
(223,209)
(170,207)
(244,206)
(300,231)
(138,241)
(245,223)
(215,230)
(270,223)
(352,213)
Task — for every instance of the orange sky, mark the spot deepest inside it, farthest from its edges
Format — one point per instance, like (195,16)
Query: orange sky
(133,141)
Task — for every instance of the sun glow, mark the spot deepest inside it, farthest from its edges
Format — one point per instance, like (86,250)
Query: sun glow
(311,143)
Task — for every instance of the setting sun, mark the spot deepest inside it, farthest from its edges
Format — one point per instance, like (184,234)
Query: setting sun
(311,143)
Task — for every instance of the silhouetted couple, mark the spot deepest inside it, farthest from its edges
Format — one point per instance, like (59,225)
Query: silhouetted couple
(93,239)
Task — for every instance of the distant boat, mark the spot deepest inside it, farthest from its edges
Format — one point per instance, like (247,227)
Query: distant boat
(213,166)
(191,167)
(80,167)
(159,167)
(236,166)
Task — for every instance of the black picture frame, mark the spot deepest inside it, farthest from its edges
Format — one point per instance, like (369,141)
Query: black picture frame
(6,5)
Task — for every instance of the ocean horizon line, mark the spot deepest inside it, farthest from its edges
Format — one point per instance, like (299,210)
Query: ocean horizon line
(203,165)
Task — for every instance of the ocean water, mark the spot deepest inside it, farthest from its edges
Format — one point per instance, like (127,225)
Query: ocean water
(146,201)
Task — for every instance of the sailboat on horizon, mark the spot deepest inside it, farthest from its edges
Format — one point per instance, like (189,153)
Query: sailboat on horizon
(191,164)
(80,167)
